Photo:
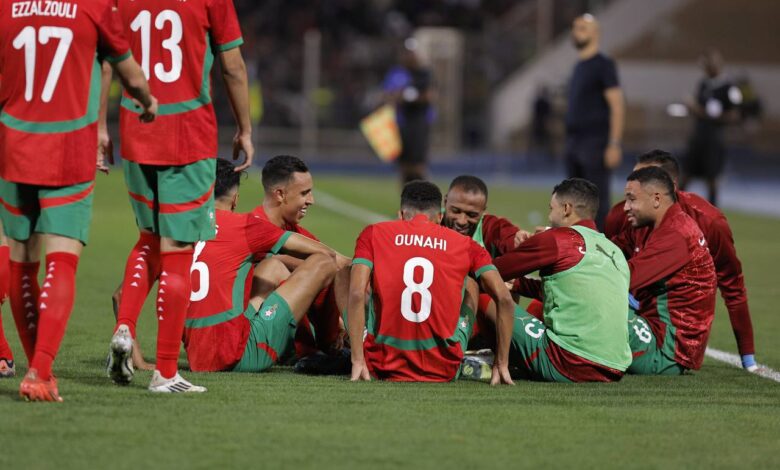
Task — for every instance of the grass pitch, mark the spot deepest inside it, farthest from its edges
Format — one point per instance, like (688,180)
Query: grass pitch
(717,417)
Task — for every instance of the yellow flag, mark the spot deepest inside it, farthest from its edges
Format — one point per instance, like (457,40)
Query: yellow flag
(381,131)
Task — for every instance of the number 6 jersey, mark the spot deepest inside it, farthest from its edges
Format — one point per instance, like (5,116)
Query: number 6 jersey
(175,42)
(414,323)
(50,89)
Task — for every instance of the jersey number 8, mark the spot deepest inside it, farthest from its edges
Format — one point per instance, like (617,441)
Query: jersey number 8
(421,288)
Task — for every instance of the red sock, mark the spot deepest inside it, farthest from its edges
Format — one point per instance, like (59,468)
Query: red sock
(23,295)
(5,349)
(141,270)
(54,304)
(173,300)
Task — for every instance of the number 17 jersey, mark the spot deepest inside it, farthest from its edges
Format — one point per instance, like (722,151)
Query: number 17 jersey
(414,325)
(175,42)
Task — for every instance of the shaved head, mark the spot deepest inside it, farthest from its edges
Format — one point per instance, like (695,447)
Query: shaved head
(585,31)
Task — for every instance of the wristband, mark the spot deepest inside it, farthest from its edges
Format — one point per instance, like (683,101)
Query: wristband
(633,303)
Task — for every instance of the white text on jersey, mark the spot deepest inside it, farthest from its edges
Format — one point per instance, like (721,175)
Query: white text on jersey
(44,8)
(421,241)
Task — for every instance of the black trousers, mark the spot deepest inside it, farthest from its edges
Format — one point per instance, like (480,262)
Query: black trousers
(585,159)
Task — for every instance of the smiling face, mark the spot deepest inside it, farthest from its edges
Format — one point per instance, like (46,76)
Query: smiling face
(558,212)
(295,197)
(463,210)
(641,204)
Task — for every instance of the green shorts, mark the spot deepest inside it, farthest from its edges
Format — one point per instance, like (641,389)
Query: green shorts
(528,357)
(271,334)
(650,358)
(56,210)
(173,201)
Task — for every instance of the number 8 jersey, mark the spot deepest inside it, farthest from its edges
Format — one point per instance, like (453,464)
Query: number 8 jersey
(175,42)
(50,89)
(415,328)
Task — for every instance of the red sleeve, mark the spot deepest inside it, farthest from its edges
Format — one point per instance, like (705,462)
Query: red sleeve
(616,219)
(731,282)
(364,247)
(225,30)
(263,237)
(663,255)
(112,43)
(479,259)
(498,234)
(533,254)
(527,287)
(626,240)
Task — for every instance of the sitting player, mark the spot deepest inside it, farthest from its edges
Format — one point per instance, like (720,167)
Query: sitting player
(415,319)
(720,241)
(584,287)
(288,192)
(672,276)
(220,334)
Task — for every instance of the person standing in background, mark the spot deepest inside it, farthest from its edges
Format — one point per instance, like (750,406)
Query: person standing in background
(595,114)
(716,104)
(409,86)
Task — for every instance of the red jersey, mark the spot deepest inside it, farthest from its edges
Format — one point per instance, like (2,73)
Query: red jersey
(174,43)
(673,278)
(419,270)
(497,235)
(48,122)
(720,241)
(259,211)
(216,332)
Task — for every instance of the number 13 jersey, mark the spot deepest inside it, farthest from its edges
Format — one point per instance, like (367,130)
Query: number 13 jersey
(414,323)
(175,42)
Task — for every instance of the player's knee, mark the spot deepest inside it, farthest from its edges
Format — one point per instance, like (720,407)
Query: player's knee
(322,264)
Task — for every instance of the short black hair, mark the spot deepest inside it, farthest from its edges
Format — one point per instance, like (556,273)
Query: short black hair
(422,196)
(280,169)
(662,159)
(470,184)
(581,194)
(227,178)
(654,175)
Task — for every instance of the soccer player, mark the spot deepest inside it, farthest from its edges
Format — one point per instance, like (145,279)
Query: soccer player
(583,336)
(288,193)
(415,319)
(720,242)
(672,277)
(220,333)
(169,167)
(48,148)
(464,211)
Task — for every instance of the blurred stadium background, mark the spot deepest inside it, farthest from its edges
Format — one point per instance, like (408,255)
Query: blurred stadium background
(317,69)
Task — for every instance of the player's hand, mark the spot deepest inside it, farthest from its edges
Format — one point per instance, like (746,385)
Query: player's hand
(105,152)
(540,228)
(360,372)
(521,236)
(243,143)
(342,261)
(749,362)
(148,114)
(613,155)
(500,375)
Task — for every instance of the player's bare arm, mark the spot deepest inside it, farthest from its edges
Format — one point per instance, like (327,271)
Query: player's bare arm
(301,247)
(494,286)
(134,81)
(360,276)
(237,86)
(613,155)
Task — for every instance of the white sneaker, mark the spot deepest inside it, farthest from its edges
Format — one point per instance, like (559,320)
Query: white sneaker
(119,365)
(177,384)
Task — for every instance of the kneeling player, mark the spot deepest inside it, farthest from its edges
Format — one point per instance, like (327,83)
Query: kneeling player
(219,333)
(415,321)
(584,287)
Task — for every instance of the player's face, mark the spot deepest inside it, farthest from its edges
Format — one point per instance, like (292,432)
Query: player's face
(297,196)
(640,205)
(557,213)
(582,32)
(463,210)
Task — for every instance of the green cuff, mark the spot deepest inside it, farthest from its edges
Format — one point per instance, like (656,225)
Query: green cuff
(488,267)
(280,243)
(230,45)
(364,262)
(119,58)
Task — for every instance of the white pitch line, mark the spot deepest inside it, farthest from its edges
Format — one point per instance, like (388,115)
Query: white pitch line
(361,214)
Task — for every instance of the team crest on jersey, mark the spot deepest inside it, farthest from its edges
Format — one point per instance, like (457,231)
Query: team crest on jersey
(270,312)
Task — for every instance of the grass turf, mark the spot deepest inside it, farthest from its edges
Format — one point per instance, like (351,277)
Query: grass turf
(718,417)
